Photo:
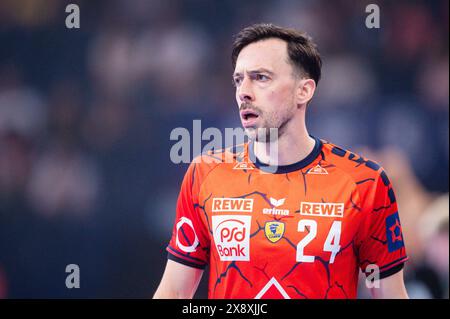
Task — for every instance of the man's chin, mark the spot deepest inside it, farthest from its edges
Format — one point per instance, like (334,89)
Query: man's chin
(251,133)
(261,134)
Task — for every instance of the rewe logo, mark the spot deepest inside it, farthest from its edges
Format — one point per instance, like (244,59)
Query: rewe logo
(232,237)
(274,210)
(232,205)
(322,209)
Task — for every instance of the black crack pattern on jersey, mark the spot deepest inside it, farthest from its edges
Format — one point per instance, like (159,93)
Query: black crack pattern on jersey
(289,242)
(249,177)
(381,208)
(193,175)
(232,265)
(350,244)
(287,177)
(296,264)
(304,180)
(259,229)
(279,218)
(326,265)
(202,207)
(263,270)
(298,291)
(217,270)
(383,242)
(291,270)
(354,206)
(264,196)
(337,284)
(365,180)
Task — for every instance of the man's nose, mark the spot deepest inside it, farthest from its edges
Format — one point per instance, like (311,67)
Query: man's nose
(246,91)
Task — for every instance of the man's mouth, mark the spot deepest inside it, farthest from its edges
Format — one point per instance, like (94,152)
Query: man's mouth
(249,114)
(249,117)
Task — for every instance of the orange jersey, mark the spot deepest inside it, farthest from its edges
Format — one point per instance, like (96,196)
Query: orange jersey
(301,232)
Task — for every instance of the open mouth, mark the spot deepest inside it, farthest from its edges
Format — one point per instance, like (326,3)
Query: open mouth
(249,115)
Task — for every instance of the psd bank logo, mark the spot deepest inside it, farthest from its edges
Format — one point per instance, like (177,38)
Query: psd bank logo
(232,237)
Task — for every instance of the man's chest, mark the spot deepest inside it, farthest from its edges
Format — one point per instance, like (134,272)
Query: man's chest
(307,217)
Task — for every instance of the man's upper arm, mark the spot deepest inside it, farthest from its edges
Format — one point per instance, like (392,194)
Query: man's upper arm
(178,282)
(188,249)
(380,238)
(392,287)
(190,241)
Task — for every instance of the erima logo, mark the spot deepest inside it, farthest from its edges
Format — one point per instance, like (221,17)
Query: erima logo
(322,209)
(318,170)
(274,210)
(232,205)
(277,203)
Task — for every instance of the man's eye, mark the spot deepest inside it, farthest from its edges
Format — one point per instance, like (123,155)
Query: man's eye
(237,81)
(261,77)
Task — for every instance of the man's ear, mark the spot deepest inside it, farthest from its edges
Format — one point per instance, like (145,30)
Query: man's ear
(305,91)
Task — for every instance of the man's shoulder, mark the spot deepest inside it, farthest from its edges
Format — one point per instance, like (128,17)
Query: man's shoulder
(226,157)
(352,163)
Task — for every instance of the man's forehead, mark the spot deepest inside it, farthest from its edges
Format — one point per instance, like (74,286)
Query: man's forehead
(268,54)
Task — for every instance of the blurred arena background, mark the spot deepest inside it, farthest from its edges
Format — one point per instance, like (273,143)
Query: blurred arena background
(86,114)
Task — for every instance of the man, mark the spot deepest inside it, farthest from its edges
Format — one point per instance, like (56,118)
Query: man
(295,223)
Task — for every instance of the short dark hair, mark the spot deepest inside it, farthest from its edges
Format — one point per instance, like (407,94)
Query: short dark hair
(302,51)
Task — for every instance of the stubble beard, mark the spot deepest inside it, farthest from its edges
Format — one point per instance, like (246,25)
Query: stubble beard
(269,131)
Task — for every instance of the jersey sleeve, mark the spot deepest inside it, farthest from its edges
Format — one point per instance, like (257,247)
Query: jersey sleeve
(189,244)
(381,240)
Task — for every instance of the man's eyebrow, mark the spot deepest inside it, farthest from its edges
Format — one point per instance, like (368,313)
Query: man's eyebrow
(260,70)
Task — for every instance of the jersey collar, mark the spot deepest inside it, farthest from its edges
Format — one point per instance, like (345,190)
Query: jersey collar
(283,169)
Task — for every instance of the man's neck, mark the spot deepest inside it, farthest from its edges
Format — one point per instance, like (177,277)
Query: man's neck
(288,149)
